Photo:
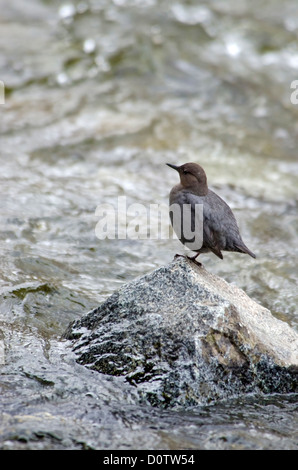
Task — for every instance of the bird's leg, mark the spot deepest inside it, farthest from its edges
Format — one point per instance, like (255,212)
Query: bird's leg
(193,259)
(177,256)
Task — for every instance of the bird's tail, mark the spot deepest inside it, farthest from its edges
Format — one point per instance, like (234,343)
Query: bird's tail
(243,249)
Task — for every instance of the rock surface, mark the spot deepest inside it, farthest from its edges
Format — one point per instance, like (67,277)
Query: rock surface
(183,336)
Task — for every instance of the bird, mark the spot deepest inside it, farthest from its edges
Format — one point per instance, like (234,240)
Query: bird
(218,226)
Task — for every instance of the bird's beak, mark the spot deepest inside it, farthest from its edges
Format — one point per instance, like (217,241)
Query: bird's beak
(173,166)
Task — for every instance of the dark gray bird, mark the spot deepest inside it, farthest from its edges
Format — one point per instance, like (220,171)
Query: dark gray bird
(220,231)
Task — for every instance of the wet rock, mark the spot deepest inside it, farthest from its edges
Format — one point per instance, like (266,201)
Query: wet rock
(183,336)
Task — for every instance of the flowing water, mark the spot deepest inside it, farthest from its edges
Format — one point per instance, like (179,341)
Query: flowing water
(99,95)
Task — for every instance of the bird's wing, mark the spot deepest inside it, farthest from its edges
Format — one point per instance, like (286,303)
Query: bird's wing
(220,228)
(212,240)
(219,223)
(222,216)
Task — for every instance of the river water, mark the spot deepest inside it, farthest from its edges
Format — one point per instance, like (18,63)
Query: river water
(97,96)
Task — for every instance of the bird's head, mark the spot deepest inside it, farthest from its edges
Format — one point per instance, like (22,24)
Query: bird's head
(192,177)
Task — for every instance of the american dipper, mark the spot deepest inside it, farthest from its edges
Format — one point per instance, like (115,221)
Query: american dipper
(220,231)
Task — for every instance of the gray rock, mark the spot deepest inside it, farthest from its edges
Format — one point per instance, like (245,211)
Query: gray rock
(183,336)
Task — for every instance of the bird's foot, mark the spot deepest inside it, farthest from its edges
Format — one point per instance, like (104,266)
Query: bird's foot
(193,259)
(177,256)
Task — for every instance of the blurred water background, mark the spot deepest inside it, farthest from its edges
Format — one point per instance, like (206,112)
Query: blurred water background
(99,95)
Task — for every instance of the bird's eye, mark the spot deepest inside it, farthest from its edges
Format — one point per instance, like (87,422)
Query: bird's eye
(185,172)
